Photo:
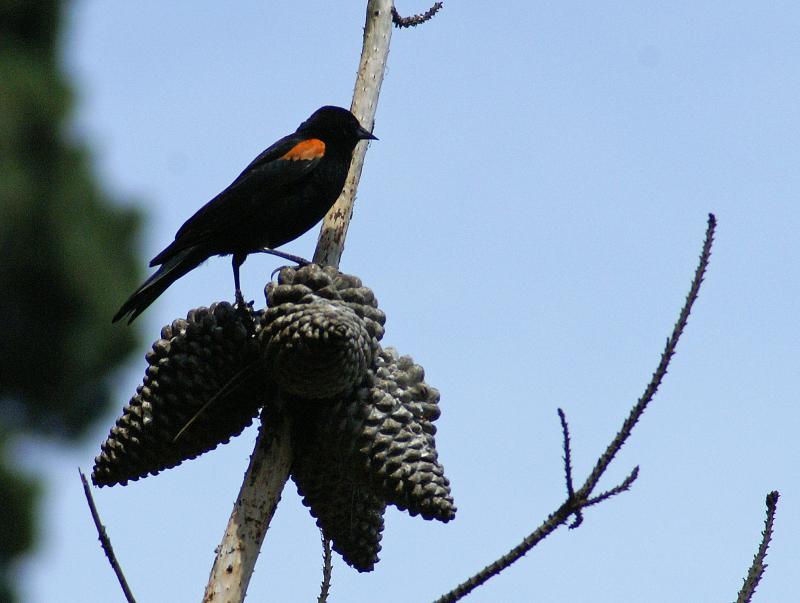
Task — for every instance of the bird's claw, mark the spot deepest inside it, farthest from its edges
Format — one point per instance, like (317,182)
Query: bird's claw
(276,271)
(243,309)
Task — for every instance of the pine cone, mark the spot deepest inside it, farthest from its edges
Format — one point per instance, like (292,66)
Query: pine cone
(337,493)
(376,446)
(212,356)
(397,441)
(320,333)
(328,283)
(316,348)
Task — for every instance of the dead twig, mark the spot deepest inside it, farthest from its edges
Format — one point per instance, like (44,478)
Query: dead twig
(669,349)
(327,570)
(105,541)
(568,467)
(414,20)
(580,499)
(758,566)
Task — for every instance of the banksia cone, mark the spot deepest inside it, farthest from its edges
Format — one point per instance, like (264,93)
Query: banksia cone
(212,356)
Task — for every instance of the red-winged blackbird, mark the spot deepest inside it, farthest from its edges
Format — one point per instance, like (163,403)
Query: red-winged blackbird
(284,192)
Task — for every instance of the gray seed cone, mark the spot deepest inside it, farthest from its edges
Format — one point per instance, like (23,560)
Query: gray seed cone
(336,492)
(376,446)
(317,348)
(320,333)
(396,439)
(328,283)
(195,360)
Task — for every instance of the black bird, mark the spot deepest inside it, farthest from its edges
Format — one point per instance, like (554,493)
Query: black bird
(282,194)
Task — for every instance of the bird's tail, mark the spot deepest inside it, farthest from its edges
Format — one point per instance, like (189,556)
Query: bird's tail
(170,271)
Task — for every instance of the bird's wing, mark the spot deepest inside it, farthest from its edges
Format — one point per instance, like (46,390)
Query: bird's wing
(281,165)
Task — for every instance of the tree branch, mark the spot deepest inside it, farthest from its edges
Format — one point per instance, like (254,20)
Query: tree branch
(579,500)
(252,512)
(415,20)
(669,349)
(272,457)
(105,541)
(374,52)
(758,566)
(327,570)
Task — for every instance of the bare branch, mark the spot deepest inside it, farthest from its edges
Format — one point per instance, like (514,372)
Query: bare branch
(252,512)
(758,566)
(374,52)
(415,20)
(638,410)
(576,501)
(327,570)
(105,541)
(550,524)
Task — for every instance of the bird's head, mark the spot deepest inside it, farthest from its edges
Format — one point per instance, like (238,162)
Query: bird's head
(335,125)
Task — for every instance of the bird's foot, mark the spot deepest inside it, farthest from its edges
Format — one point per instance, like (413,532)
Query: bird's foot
(243,308)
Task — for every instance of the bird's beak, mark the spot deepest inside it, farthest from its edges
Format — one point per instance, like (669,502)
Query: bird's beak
(364,134)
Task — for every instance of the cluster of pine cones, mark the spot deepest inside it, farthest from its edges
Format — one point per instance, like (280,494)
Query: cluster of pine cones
(362,415)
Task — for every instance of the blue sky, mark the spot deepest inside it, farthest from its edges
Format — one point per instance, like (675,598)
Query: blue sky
(529,220)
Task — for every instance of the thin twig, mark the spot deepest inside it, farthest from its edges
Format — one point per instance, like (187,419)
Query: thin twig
(415,20)
(758,566)
(567,454)
(231,385)
(105,541)
(582,498)
(623,487)
(568,467)
(327,570)
(553,521)
(550,524)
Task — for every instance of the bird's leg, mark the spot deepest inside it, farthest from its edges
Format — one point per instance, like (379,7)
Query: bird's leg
(286,256)
(237,261)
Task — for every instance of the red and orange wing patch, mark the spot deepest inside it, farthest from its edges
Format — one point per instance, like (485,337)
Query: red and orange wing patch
(306,150)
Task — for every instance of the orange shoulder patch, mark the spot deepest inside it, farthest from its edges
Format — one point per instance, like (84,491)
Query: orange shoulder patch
(313,148)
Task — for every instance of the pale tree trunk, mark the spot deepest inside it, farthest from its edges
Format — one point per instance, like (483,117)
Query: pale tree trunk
(272,456)
(375,50)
